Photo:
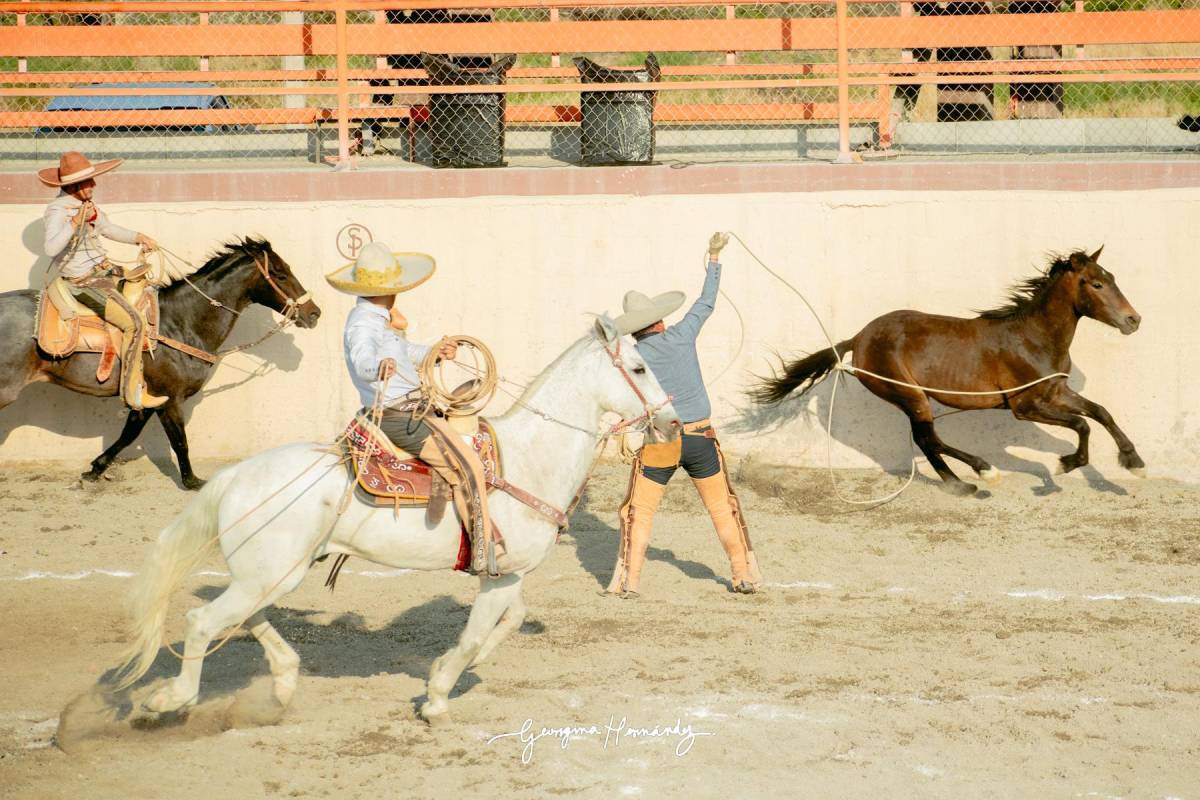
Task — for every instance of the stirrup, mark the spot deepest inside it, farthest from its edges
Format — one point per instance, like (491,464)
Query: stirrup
(142,399)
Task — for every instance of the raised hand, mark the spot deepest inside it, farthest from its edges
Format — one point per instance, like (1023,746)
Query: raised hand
(716,244)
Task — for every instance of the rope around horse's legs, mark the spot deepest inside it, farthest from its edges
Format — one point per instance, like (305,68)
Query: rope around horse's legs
(840,367)
(912,462)
(912,472)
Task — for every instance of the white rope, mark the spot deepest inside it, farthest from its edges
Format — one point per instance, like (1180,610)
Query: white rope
(840,367)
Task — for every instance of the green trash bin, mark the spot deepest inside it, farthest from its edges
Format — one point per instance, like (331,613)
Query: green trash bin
(617,127)
(466,130)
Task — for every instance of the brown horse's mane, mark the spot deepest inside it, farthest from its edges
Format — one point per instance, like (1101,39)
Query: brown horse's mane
(246,246)
(1028,294)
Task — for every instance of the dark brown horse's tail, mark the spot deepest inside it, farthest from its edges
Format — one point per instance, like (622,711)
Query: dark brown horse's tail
(804,374)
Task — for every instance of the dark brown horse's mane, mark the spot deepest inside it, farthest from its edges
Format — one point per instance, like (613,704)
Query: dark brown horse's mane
(1028,294)
(245,246)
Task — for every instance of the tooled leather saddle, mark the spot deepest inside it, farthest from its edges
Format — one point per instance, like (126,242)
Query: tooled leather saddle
(384,475)
(64,326)
(389,476)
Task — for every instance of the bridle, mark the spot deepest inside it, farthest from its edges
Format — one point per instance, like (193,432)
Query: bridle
(291,305)
(291,310)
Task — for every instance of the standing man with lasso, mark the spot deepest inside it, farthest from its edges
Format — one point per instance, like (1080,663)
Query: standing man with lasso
(671,354)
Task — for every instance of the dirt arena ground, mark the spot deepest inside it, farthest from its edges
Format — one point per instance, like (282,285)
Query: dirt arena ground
(1038,641)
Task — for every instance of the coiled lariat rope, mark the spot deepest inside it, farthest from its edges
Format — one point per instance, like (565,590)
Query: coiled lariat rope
(463,400)
(840,366)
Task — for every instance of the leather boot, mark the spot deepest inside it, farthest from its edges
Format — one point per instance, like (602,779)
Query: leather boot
(722,507)
(133,339)
(637,520)
(458,463)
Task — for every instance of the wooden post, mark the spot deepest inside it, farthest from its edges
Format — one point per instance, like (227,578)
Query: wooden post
(555,58)
(1079,9)
(843,73)
(294,62)
(730,55)
(22,62)
(204,59)
(343,86)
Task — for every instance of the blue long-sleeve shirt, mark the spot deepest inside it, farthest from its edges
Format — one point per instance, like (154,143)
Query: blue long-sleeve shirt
(672,354)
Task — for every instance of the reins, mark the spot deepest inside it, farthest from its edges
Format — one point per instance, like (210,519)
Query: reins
(291,309)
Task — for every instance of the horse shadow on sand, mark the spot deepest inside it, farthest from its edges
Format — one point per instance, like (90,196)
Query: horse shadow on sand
(76,416)
(235,689)
(881,432)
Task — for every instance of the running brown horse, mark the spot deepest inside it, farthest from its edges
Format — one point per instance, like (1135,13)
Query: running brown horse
(1008,347)
(199,312)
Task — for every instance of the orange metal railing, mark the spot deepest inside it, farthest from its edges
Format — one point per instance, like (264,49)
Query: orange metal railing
(863,43)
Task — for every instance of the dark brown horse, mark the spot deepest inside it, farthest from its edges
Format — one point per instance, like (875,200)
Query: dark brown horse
(233,278)
(1026,339)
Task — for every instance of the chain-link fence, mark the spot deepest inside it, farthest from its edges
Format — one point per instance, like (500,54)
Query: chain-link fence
(608,81)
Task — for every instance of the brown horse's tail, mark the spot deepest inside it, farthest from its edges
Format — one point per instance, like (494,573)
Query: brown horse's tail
(804,374)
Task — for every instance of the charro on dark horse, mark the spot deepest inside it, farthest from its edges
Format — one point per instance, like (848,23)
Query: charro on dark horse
(199,313)
(1026,339)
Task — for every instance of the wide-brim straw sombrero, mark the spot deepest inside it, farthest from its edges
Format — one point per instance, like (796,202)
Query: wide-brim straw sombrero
(642,311)
(74,167)
(379,271)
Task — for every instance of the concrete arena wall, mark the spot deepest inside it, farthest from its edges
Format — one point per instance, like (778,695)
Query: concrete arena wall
(522,273)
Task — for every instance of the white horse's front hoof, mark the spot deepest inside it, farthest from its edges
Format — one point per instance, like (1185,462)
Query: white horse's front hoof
(435,718)
(991,475)
(164,702)
(284,687)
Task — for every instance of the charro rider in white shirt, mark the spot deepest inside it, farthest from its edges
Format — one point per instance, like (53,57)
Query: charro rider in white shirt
(374,338)
(73,228)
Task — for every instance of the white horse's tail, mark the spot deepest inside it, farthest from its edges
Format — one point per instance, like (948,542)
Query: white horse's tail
(181,546)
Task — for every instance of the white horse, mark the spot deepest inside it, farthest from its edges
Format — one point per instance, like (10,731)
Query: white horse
(270,536)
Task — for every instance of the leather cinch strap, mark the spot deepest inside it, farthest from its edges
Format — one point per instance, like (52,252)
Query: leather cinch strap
(195,352)
(540,506)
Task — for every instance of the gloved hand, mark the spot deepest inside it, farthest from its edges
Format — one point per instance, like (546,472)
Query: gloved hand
(716,244)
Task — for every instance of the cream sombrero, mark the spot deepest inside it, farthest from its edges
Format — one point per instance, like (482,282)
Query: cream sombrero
(642,311)
(74,167)
(378,271)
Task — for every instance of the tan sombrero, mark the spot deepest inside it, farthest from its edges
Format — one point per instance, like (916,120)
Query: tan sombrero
(642,311)
(378,271)
(74,167)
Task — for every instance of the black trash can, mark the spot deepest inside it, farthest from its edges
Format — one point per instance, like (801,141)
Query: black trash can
(467,130)
(617,127)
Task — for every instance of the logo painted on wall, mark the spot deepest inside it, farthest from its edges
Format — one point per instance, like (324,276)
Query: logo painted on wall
(352,239)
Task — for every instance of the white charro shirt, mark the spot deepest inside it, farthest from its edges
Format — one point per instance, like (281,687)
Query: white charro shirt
(368,340)
(90,253)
